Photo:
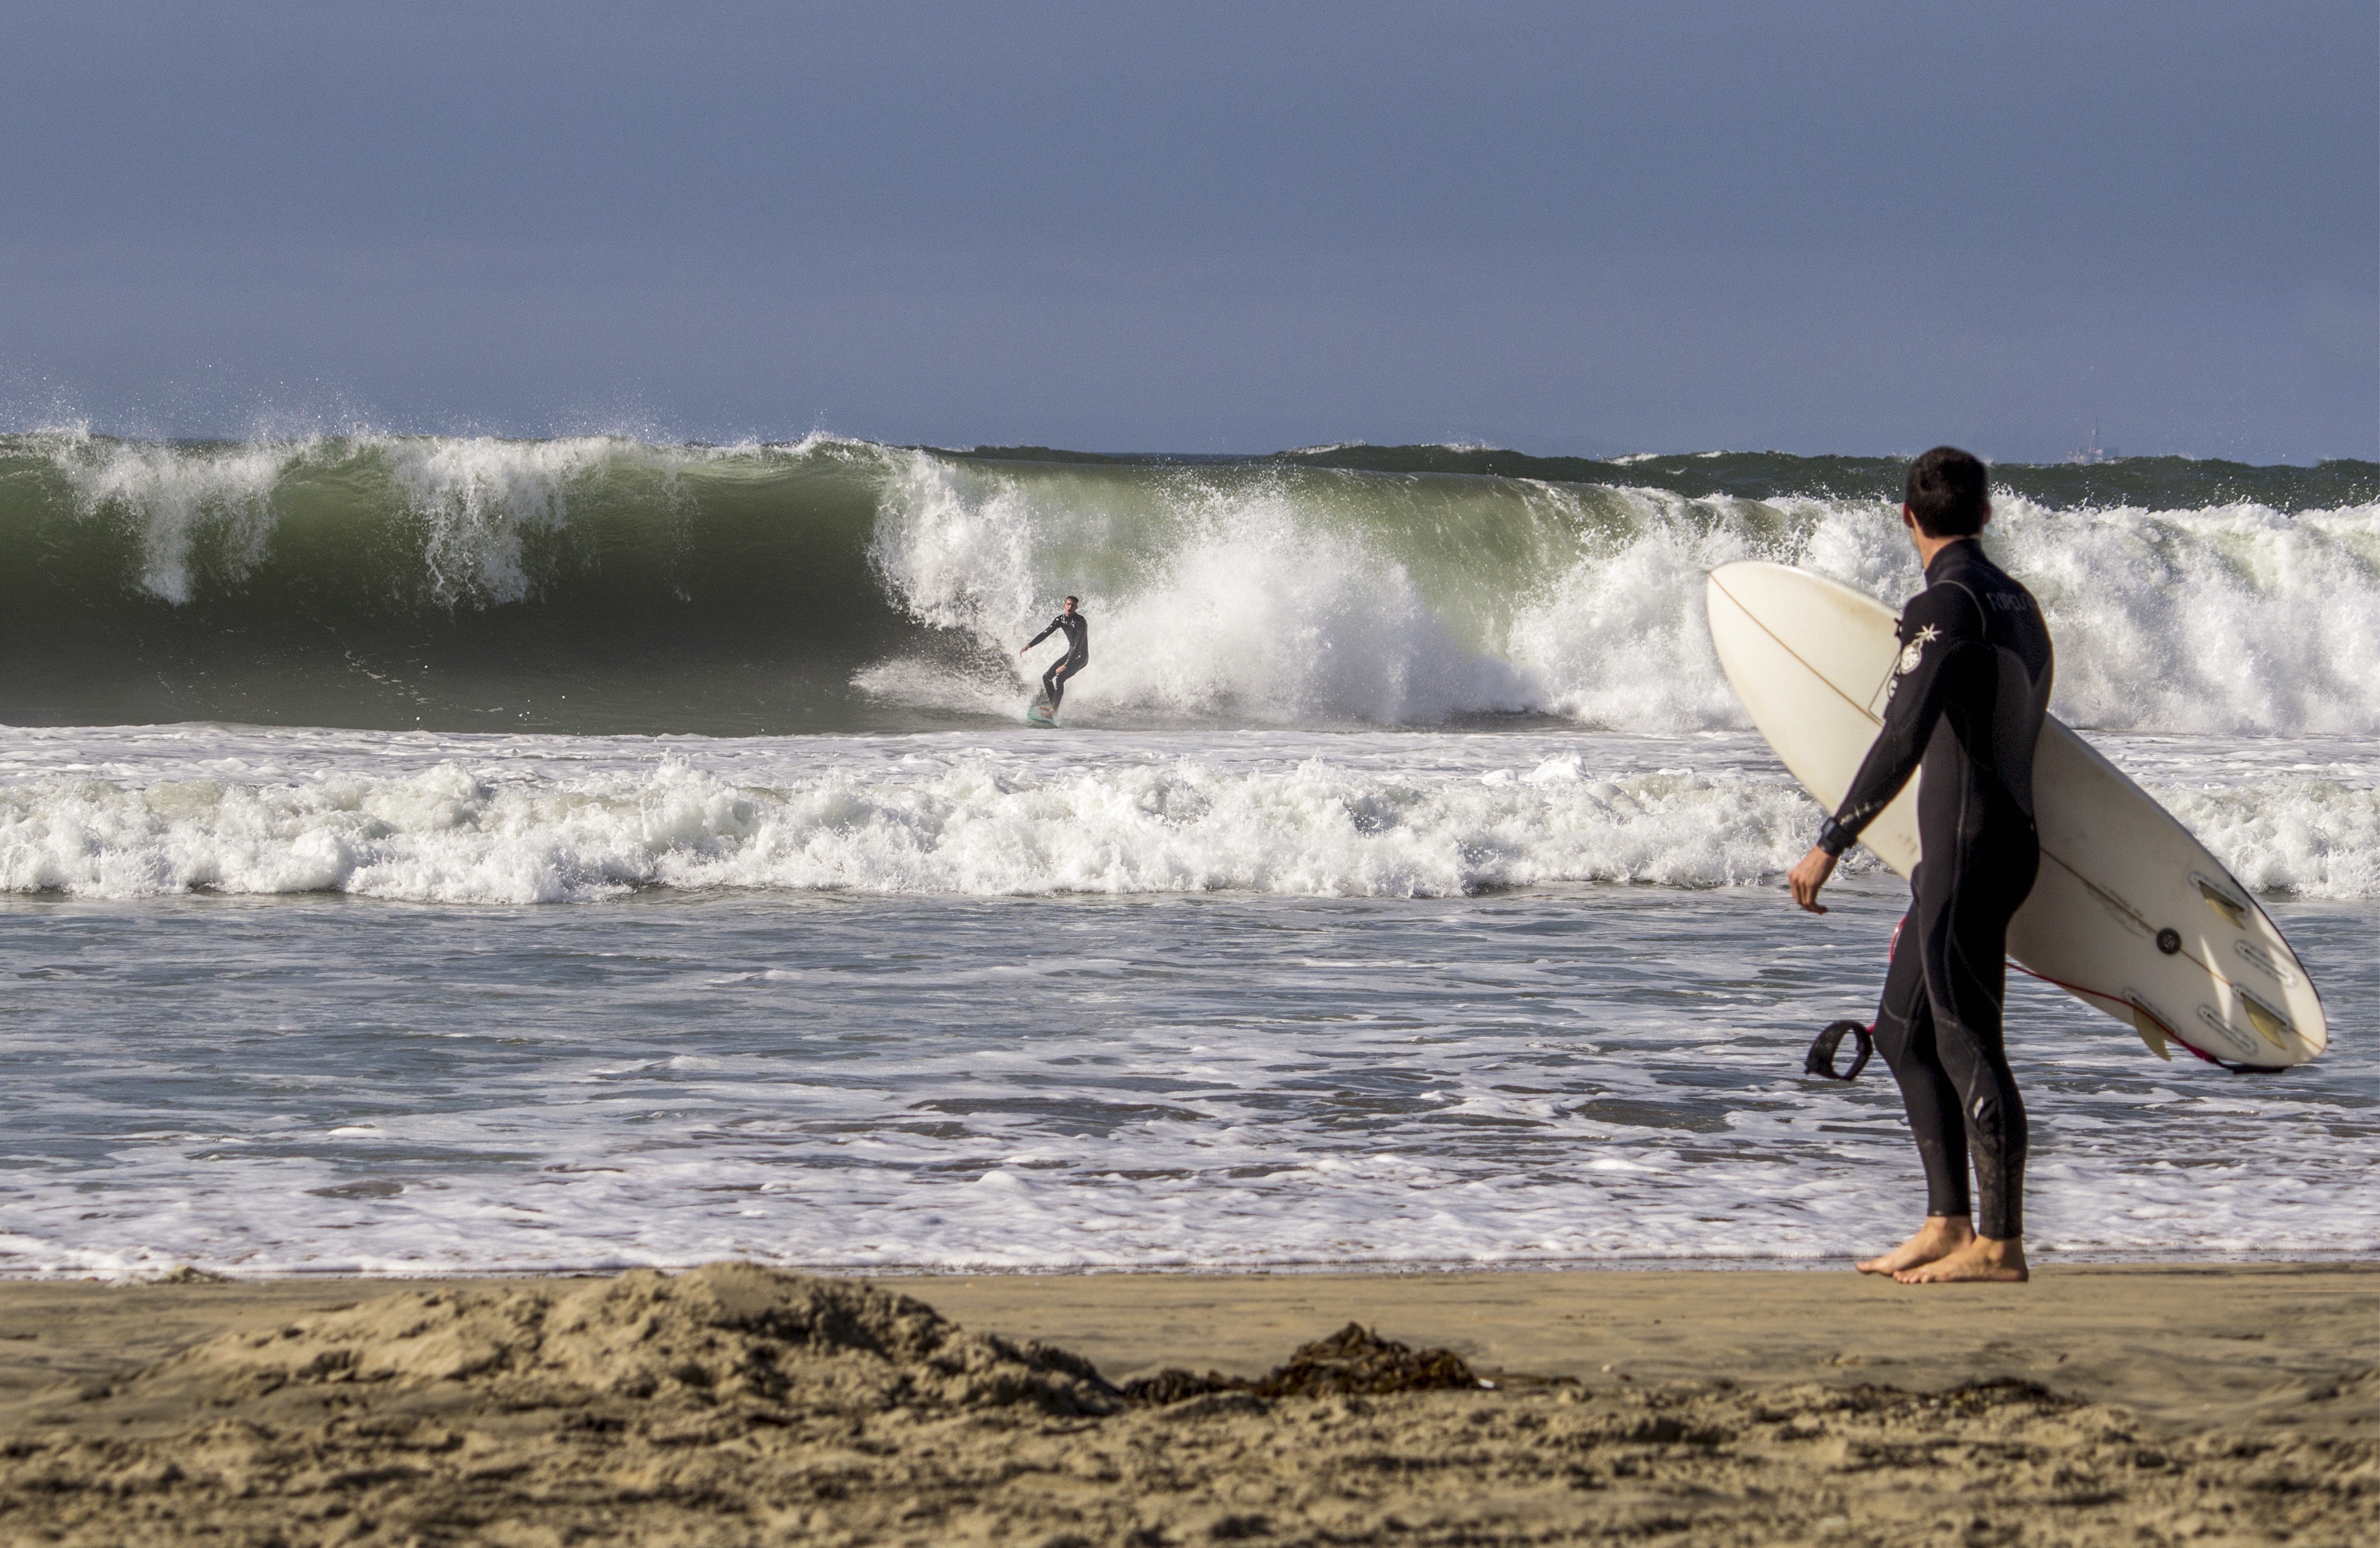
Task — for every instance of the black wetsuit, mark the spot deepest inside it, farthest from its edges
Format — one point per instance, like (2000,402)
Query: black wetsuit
(1077,630)
(1967,696)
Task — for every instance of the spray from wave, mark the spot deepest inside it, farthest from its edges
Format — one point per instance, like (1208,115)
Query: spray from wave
(603,584)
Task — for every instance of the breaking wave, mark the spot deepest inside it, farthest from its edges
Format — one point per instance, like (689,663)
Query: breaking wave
(1393,817)
(602,584)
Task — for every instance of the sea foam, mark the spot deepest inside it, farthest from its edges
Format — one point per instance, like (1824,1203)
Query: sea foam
(530,820)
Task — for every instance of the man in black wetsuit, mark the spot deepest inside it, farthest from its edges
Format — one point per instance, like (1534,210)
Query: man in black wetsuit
(1077,630)
(1967,699)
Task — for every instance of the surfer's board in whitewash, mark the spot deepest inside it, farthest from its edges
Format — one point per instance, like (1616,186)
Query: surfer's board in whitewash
(2129,913)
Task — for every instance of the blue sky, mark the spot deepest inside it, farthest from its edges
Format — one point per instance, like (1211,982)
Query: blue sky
(1567,228)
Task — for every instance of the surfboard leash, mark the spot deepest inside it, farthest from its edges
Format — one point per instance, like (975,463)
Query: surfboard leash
(1820,1060)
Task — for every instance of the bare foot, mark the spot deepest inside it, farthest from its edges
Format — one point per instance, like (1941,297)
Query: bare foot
(1939,1237)
(1985,1260)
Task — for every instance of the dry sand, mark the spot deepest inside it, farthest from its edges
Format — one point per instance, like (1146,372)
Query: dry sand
(736,1406)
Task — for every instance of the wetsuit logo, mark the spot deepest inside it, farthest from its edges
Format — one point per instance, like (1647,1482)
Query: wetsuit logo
(1913,655)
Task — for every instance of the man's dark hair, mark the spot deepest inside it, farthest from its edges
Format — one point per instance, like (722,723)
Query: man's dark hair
(1949,492)
(1076,600)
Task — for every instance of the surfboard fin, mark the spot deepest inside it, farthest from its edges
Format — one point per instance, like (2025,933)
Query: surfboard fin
(2222,903)
(2270,1024)
(2154,1033)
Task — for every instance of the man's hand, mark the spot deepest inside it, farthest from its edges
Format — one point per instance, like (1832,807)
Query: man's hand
(1809,873)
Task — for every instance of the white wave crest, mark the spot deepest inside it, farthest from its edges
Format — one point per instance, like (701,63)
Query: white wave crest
(467,505)
(1618,638)
(2314,837)
(476,499)
(2240,620)
(973,822)
(1206,599)
(973,827)
(176,500)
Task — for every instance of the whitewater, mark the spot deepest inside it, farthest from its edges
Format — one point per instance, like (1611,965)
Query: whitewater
(137,811)
(426,854)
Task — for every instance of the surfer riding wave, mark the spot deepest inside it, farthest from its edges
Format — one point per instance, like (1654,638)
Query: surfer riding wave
(1969,694)
(1077,630)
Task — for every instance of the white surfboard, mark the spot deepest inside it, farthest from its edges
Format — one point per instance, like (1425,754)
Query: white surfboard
(2129,913)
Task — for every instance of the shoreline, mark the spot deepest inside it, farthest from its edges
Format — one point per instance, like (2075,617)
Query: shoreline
(1384,1268)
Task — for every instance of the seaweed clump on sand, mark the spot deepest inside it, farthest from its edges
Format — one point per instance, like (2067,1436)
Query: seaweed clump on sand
(1354,1361)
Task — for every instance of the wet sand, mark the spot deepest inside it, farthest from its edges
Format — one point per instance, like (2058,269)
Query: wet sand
(2135,1404)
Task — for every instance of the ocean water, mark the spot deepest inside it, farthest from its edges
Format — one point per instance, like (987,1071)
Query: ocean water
(428,855)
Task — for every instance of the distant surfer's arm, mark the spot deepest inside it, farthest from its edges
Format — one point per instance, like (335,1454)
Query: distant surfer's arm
(1937,625)
(1038,637)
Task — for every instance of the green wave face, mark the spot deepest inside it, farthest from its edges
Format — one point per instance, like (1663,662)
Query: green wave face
(389,582)
(603,584)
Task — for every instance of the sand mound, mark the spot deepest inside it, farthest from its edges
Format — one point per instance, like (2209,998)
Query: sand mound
(720,1334)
